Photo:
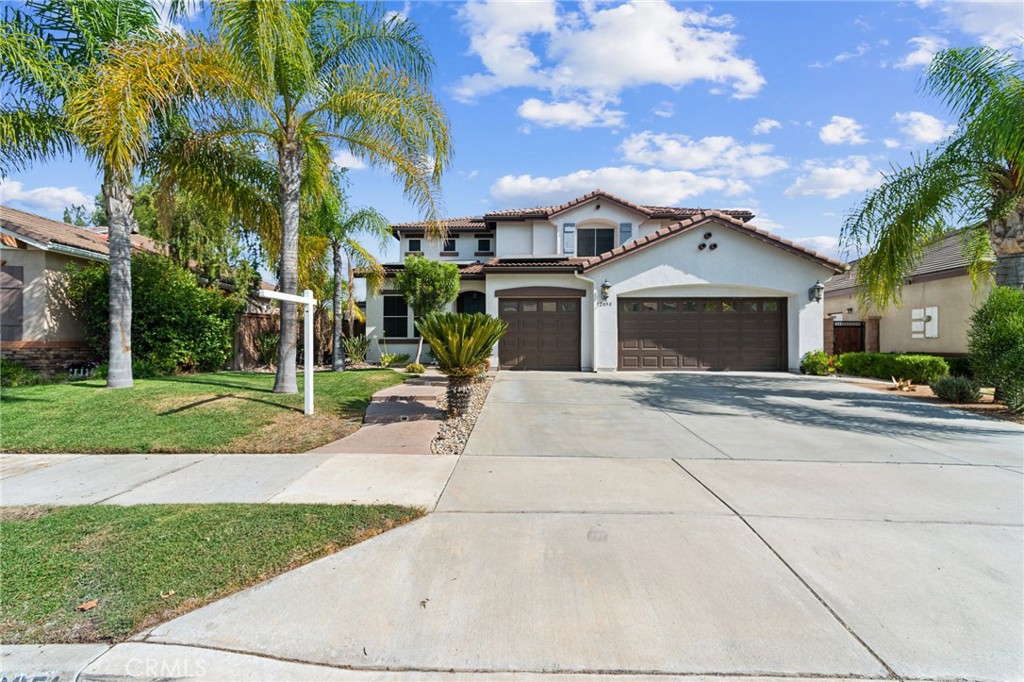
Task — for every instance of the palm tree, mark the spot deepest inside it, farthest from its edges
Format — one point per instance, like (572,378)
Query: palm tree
(976,178)
(96,75)
(322,74)
(340,230)
(461,344)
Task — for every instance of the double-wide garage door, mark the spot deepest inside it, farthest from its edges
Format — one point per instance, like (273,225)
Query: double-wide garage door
(702,333)
(543,333)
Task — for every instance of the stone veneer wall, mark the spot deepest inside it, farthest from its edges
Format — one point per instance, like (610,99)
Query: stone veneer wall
(48,361)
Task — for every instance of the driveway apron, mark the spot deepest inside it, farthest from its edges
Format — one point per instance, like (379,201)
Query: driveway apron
(691,524)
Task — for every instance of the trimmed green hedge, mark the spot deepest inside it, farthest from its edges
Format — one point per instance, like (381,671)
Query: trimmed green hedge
(921,369)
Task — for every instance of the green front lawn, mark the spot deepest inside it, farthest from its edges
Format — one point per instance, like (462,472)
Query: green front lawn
(145,564)
(216,412)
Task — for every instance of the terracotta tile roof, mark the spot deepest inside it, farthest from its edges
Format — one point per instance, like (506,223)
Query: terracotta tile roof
(478,223)
(532,264)
(46,231)
(464,269)
(649,211)
(721,218)
(464,224)
(945,255)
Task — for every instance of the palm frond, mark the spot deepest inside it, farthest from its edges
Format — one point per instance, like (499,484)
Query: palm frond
(113,108)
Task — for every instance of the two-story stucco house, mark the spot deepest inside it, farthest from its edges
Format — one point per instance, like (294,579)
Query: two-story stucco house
(599,283)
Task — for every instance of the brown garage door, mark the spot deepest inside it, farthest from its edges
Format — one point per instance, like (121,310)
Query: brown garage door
(702,333)
(543,333)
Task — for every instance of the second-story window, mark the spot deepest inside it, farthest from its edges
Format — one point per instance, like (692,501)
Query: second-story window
(415,246)
(449,245)
(483,244)
(594,241)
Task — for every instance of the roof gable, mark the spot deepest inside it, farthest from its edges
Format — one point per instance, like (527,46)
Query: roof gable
(719,218)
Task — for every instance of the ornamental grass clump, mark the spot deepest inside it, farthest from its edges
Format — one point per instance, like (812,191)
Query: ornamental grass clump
(461,344)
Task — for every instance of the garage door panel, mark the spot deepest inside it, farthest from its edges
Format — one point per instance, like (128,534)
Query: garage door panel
(709,333)
(542,334)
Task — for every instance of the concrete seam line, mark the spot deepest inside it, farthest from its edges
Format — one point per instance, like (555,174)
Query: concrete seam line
(150,480)
(821,600)
(696,435)
(289,483)
(451,474)
(568,674)
(92,660)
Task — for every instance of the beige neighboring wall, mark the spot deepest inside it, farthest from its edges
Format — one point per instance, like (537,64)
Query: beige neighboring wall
(954,296)
(45,318)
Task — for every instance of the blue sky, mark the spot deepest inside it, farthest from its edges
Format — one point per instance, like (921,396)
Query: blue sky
(790,109)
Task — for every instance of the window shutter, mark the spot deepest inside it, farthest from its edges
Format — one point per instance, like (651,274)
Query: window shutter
(625,232)
(569,238)
(931,322)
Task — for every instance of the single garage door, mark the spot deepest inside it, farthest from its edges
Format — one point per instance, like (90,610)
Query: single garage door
(543,333)
(702,333)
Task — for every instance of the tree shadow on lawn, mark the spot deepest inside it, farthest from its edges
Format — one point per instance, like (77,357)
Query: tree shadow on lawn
(783,398)
(204,380)
(221,396)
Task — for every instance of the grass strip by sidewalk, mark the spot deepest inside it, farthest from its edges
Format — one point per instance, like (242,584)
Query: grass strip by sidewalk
(146,564)
(214,412)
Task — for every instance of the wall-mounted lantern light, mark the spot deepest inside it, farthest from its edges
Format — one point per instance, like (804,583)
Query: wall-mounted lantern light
(605,288)
(816,292)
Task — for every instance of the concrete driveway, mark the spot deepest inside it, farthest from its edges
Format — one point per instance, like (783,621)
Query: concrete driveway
(668,524)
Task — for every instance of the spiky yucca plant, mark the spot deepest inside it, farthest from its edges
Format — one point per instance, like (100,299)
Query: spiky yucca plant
(461,344)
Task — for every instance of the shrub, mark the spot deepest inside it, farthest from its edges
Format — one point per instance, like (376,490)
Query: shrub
(996,343)
(960,366)
(355,348)
(387,359)
(266,347)
(921,369)
(177,325)
(818,363)
(16,374)
(415,368)
(955,389)
(461,344)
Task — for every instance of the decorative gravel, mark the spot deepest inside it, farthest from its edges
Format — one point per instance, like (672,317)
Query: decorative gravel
(454,432)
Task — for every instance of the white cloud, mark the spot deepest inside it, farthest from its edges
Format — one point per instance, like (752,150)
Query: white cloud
(718,155)
(825,244)
(925,48)
(593,54)
(650,185)
(852,174)
(50,199)
(842,130)
(163,11)
(996,24)
(346,159)
(765,126)
(890,143)
(401,14)
(922,128)
(859,51)
(574,115)
(665,109)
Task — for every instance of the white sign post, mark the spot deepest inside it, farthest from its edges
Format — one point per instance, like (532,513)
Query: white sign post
(307,369)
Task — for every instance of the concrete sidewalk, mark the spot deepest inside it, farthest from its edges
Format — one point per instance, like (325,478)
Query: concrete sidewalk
(721,527)
(387,461)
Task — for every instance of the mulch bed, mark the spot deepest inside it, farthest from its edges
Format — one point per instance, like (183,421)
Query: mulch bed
(985,408)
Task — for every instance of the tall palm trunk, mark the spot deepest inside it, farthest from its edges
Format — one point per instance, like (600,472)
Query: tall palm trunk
(290,167)
(1007,237)
(351,299)
(119,203)
(338,358)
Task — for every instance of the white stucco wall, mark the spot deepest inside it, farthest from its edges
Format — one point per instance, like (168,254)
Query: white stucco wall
(45,318)
(514,239)
(498,282)
(740,266)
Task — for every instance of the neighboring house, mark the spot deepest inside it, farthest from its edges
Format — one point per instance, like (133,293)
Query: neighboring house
(36,328)
(599,283)
(937,302)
